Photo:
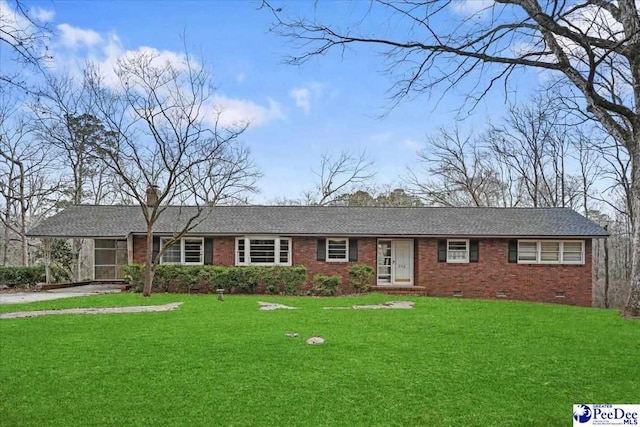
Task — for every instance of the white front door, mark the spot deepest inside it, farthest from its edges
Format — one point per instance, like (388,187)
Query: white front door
(402,262)
(395,262)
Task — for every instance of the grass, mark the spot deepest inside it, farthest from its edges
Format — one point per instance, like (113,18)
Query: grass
(446,362)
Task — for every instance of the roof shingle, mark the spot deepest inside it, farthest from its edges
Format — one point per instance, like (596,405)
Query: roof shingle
(120,221)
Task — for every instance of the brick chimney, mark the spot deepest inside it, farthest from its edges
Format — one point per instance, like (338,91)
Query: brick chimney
(152,195)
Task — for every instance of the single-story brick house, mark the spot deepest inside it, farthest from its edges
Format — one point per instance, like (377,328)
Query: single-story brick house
(535,254)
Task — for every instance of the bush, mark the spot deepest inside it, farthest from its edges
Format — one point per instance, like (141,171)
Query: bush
(21,276)
(183,278)
(361,277)
(326,285)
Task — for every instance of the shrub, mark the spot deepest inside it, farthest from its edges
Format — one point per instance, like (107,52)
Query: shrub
(326,285)
(21,276)
(361,277)
(183,278)
(133,274)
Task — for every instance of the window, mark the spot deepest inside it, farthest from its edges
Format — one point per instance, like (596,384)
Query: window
(192,251)
(263,251)
(551,252)
(184,251)
(284,252)
(527,251)
(337,250)
(240,251)
(457,251)
(572,253)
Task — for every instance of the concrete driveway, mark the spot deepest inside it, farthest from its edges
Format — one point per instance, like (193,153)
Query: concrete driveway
(77,291)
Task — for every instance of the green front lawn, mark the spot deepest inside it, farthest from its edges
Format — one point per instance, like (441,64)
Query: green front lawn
(446,362)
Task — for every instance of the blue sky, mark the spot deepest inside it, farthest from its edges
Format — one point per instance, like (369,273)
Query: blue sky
(329,104)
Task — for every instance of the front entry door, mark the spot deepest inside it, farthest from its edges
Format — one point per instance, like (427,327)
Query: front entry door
(395,262)
(402,262)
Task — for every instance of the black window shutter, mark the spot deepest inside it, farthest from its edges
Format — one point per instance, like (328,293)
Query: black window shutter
(513,250)
(322,249)
(442,250)
(208,251)
(156,246)
(474,248)
(353,250)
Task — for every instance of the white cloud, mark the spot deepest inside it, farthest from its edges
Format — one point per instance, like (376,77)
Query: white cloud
(301,96)
(242,111)
(42,15)
(72,37)
(106,50)
(240,77)
(470,7)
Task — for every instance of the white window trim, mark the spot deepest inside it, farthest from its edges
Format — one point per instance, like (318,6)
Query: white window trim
(458,261)
(560,248)
(346,252)
(247,250)
(181,241)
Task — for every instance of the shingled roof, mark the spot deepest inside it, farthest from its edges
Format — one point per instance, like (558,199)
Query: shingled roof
(120,221)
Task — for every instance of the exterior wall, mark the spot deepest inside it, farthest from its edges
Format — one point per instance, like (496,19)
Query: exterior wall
(493,273)
(305,253)
(139,249)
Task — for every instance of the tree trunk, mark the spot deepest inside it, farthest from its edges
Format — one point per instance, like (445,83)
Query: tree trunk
(47,260)
(606,273)
(149,267)
(632,308)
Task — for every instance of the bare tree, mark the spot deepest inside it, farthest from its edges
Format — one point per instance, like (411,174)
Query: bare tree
(64,119)
(26,179)
(26,39)
(457,172)
(534,145)
(167,143)
(591,44)
(340,175)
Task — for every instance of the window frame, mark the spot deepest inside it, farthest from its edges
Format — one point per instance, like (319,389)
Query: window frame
(467,247)
(247,250)
(181,242)
(561,260)
(346,249)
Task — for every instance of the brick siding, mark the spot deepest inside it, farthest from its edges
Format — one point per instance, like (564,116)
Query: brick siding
(492,274)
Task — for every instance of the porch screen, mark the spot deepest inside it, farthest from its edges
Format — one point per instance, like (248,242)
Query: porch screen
(109,257)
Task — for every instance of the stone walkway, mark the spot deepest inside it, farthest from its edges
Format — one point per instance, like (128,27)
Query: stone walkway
(77,291)
(109,310)
(392,305)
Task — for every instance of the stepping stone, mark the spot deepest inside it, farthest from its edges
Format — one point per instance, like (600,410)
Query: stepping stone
(268,306)
(315,341)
